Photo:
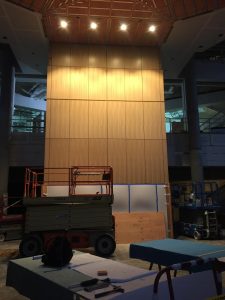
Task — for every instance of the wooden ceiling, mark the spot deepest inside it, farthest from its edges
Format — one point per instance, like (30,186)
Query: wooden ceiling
(109,14)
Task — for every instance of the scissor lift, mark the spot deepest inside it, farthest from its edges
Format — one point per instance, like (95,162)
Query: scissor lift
(82,211)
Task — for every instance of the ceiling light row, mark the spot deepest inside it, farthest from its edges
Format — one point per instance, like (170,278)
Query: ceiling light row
(94,26)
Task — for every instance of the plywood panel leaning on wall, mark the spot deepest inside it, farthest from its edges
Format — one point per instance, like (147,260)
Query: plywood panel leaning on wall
(137,227)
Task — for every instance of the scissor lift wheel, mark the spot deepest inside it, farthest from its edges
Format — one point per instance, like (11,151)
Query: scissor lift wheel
(30,245)
(105,245)
(2,237)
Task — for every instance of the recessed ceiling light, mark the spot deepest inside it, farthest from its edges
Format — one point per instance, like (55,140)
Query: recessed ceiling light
(93,25)
(152,28)
(123,27)
(63,24)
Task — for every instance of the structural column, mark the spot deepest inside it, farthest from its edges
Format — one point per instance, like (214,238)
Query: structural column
(6,110)
(193,122)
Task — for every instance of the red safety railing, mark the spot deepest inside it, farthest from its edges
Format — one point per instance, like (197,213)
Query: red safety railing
(75,178)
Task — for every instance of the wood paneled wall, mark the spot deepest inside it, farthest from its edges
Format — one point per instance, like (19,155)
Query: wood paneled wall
(105,106)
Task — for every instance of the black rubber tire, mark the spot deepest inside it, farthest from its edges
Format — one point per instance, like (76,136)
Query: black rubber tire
(197,235)
(2,237)
(105,245)
(30,245)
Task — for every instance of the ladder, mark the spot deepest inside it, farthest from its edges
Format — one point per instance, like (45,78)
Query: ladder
(211,223)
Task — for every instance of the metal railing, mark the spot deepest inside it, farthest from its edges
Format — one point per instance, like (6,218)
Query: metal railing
(36,182)
(208,124)
(195,194)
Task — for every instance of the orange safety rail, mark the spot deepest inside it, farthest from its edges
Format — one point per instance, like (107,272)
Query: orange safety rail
(73,177)
(92,175)
(33,179)
(27,182)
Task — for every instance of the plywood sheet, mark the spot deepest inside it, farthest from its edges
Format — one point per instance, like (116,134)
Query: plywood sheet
(60,54)
(117,159)
(154,157)
(133,85)
(78,152)
(97,84)
(137,227)
(78,116)
(116,119)
(60,82)
(59,124)
(115,57)
(115,84)
(135,161)
(58,153)
(134,120)
(151,86)
(97,155)
(79,55)
(150,58)
(153,120)
(79,83)
(97,56)
(97,119)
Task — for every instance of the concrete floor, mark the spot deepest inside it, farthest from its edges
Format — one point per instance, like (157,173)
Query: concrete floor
(9,250)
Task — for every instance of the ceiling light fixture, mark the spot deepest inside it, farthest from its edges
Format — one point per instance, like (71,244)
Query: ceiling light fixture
(63,24)
(93,25)
(152,28)
(123,27)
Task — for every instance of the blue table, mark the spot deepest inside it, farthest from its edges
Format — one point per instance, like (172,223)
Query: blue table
(170,251)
